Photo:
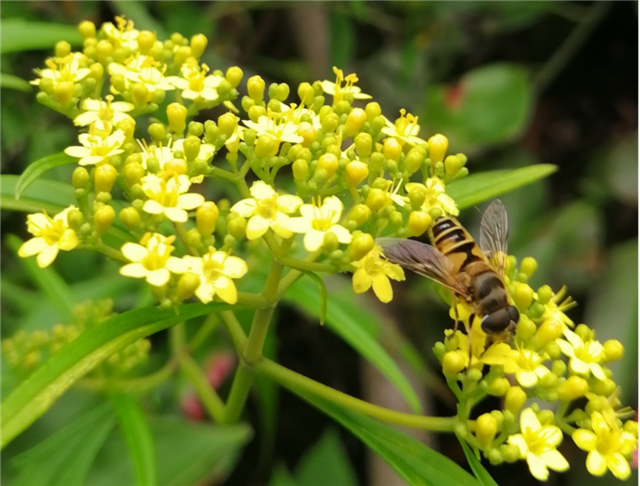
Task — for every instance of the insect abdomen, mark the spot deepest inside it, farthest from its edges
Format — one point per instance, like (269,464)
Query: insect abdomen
(489,291)
(455,243)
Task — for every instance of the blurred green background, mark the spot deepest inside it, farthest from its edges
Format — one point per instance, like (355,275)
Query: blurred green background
(510,83)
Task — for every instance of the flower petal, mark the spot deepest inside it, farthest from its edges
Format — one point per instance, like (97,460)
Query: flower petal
(618,465)
(299,225)
(537,467)
(176,215)
(68,240)
(134,252)
(205,292)
(289,203)
(529,420)
(332,206)
(551,434)
(596,464)
(234,267)
(32,247)
(245,207)
(342,233)
(597,371)
(527,378)
(382,287)
(554,460)
(362,281)
(152,207)
(226,290)
(313,239)
(256,227)
(261,190)
(47,256)
(578,366)
(190,201)
(135,270)
(566,347)
(518,441)
(584,439)
(158,277)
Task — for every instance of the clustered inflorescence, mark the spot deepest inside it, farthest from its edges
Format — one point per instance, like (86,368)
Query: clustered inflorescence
(127,84)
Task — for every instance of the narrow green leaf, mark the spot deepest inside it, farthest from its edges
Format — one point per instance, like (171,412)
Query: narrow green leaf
(322,289)
(416,463)
(24,35)
(282,477)
(326,463)
(45,385)
(39,167)
(483,186)
(138,438)
(65,457)
(42,195)
(137,11)
(14,82)
(478,469)
(187,453)
(357,327)
(48,280)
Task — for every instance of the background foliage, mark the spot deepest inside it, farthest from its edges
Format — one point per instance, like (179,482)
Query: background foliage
(511,84)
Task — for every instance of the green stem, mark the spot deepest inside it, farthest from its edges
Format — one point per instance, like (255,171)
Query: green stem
(182,233)
(223,174)
(133,385)
(252,300)
(110,252)
(208,326)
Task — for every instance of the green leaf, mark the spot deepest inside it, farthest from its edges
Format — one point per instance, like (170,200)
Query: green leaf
(137,11)
(48,280)
(326,463)
(42,195)
(187,453)
(22,35)
(14,82)
(416,463)
(138,438)
(483,186)
(322,290)
(64,458)
(35,170)
(342,40)
(282,477)
(357,327)
(45,385)
(478,469)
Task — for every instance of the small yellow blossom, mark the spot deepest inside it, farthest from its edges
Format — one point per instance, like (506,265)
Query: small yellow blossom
(170,197)
(124,35)
(62,70)
(556,307)
(277,126)
(525,363)
(584,356)
(607,447)
(537,444)
(216,271)
(162,153)
(143,69)
(337,90)
(495,354)
(109,112)
(267,209)
(405,129)
(206,153)
(319,219)
(97,146)
(51,235)
(375,270)
(436,196)
(149,258)
(294,114)
(195,83)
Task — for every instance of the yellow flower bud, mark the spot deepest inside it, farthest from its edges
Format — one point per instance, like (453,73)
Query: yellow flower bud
(181,55)
(525,328)
(194,238)
(187,285)
(96,71)
(330,242)
(75,219)
(613,350)
(255,88)
(356,172)
(62,49)
(104,50)
(372,110)
(574,387)
(486,429)
(146,40)
(499,387)
(206,218)
(330,122)
(355,120)
(392,149)
(130,217)
(103,218)
(452,164)
(510,452)
(376,199)
(414,160)
(266,147)
(308,133)
(549,330)
(133,172)
(139,94)
(604,387)
(237,227)
(328,162)
(452,364)
(545,294)
(528,266)
(364,144)
(631,426)
(300,169)
(419,222)
(361,244)
(191,147)
(104,177)
(523,296)
(514,399)
(305,93)
(177,116)
(64,92)
(227,124)
(438,145)
(233,75)
(80,178)
(198,45)
(360,214)
(87,29)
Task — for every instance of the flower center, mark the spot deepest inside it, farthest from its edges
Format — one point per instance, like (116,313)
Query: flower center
(156,259)
(211,269)
(53,233)
(268,207)
(536,444)
(608,442)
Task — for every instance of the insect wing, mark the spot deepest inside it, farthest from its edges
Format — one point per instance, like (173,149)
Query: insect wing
(422,259)
(494,232)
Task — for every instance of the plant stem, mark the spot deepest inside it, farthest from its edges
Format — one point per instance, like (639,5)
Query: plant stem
(182,233)
(111,252)
(133,385)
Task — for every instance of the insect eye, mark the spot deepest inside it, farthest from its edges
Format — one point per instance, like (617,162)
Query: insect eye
(513,314)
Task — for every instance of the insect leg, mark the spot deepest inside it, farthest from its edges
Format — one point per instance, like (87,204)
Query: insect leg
(454,303)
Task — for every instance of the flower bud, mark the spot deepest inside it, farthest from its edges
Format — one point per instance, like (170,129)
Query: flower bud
(305,93)
(499,387)
(528,266)
(360,214)
(87,29)
(206,218)
(300,169)
(372,110)
(514,399)
(486,429)
(355,120)
(194,238)
(523,296)
(328,162)
(133,172)
(545,294)
(376,199)
(452,165)
(360,246)
(233,75)
(452,364)
(181,55)
(191,147)
(364,144)
(613,350)
(103,218)
(80,178)
(330,242)
(553,350)
(64,92)
(631,426)
(419,222)
(187,285)
(177,116)
(415,158)
(266,147)
(96,71)
(392,149)
(104,177)
(130,217)
(198,44)
(356,172)
(281,92)
(237,227)
(417,195)
(157,132)
(104,50)
(525,328)
(146,40)
(549,330)
(474,375)
(227,124)
(62,49)
(438,145)
(574,387)
(255,88)
(510,452)
(308,133)
(603,387)
(75,219)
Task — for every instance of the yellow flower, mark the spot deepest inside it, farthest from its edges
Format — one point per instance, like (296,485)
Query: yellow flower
(170,197)
(374,270)
(405,129)
(51,235)
(525,363)
(267,209)
(143,69)
(495,354)
(537,444)
(436,196)
(555,310)
(195,83)
(216,271)
(338,91)
(97,146)
(124,35)
(66,69)
(277,126)
(294,114)
(318,220)
(206,153)
(149,258)
(607,447)
(584,356)
(108,112)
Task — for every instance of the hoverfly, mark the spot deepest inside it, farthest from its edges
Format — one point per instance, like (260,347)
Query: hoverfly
(473,273)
